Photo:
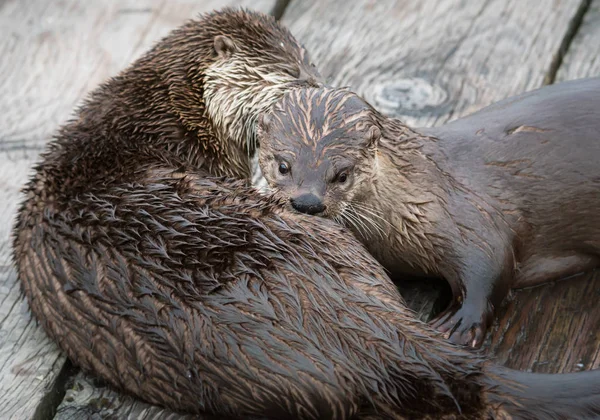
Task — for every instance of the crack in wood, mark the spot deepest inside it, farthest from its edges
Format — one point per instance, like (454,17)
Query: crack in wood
(279,8)
(51,400)
(570,34)
(526,129)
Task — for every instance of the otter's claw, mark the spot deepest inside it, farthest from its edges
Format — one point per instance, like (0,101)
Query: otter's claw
(464,326)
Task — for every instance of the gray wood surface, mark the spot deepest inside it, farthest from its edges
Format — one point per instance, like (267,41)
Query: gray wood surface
(53,53)
(583,57)
(430,61)
(86,398)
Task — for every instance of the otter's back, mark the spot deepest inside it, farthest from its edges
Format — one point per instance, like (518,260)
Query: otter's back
(556,128)
(540,151)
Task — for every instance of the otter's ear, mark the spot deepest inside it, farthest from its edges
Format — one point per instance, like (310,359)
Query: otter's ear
(224,46)
(374,136)
(264,123)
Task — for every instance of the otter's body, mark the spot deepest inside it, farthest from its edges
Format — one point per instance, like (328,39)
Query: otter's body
(536,159)
(507,197)
(197,294)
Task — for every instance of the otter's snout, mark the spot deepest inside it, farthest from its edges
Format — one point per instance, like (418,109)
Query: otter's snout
(307,203)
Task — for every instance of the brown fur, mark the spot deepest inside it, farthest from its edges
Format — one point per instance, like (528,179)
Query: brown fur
(504,198)
(194,292)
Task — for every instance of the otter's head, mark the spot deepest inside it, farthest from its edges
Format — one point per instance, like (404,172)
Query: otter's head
(238,63)
(318,150)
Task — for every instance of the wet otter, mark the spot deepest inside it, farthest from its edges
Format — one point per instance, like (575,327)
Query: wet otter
(196,293)
(200,295)
(506,197)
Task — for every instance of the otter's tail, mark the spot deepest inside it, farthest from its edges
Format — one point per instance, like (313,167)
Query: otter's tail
(546,396)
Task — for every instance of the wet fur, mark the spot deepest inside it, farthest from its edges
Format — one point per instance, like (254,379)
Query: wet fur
(507,197)
(186,289)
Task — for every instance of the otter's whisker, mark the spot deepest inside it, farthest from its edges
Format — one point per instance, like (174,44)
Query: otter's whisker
(376,219)
(346,221)
(362,228)
(365,219)
(338,220)
(369,210)
(372,212)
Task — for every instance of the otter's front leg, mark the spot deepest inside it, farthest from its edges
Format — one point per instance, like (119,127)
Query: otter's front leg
(480,281)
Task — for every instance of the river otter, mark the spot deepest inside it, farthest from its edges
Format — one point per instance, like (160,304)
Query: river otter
(196,293)
(507,197)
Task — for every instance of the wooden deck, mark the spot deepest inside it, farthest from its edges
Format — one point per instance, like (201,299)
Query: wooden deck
(426,61)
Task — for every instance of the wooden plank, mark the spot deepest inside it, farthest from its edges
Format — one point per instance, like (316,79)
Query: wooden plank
(399,84)
(87,398)
(551,328)
(430,61)
(29,362)
(53,54)
(583,57)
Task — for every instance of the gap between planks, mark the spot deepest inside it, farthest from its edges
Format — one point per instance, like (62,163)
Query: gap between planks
(572,31)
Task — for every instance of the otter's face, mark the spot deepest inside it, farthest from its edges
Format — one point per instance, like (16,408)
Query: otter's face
(318,150)
(255,63)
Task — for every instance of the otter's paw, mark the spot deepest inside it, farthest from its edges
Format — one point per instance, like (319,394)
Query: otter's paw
(463,325)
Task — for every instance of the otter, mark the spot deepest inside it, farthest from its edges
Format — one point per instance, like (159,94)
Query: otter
(504,198)
(154,268)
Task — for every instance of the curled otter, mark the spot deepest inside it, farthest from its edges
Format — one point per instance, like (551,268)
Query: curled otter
(504,198)
(187,289)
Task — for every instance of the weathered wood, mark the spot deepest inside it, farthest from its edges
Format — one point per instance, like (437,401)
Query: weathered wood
(583,57)
(426,62)
(430,61)
(56,52)
(29,362)
(53,53)
(87,398)
(551,328)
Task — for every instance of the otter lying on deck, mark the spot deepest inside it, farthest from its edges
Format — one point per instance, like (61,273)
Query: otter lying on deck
(507,197)
(196,293)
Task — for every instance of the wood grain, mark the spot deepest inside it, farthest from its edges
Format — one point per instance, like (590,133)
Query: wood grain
(29,362)
(583,57)
(551,328)
(430,61)
(53,53)
(86,398)
(426,62)
(56,52)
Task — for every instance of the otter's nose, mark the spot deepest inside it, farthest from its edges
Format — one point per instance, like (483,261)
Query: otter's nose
(308,203)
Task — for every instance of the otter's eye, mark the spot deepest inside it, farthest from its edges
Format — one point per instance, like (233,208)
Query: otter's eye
(342,177)
(284,168)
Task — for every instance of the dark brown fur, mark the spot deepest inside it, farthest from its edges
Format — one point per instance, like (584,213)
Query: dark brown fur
(507,197)
(194,292)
